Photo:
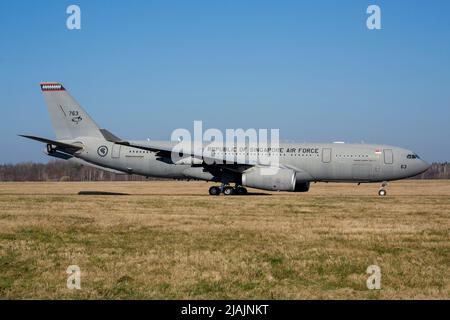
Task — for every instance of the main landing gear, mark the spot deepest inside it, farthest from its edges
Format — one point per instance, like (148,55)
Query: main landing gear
(227,190)
(382,192)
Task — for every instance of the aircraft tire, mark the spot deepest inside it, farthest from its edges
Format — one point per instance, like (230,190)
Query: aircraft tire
(214,191)
(241,191)
(228,191)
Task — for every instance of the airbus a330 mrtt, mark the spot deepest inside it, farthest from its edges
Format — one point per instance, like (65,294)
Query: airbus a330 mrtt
(79,139)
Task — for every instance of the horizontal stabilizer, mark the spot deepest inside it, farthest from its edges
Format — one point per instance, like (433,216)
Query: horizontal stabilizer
(53,142)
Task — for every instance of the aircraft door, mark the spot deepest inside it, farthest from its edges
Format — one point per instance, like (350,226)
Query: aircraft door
(376,172)
(326,155)
(116,150)
(388,156)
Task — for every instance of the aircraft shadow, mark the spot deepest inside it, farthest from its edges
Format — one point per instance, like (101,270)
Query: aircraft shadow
(106,193)
(101,193)
(258,194)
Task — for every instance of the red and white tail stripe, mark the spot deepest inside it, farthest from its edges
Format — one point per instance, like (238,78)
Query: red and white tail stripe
(52,86)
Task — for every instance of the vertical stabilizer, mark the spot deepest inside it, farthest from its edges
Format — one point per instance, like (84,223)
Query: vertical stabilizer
(68,118)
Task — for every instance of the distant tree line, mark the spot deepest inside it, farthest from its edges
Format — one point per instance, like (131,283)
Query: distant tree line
(436,171)
(57,170)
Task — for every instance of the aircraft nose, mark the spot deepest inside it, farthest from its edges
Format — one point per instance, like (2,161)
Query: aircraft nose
(424,166)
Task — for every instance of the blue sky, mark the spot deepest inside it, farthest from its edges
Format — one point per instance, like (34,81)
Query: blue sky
(310,68)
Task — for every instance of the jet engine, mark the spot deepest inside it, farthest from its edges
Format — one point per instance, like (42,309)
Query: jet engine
(301,186)
(281,180)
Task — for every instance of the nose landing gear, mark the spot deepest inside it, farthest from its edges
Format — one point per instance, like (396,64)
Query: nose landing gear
(382,192)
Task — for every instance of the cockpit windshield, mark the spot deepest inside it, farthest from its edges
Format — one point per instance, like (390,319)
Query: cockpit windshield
(412,156)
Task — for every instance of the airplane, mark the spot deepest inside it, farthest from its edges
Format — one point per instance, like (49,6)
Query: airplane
(80,140)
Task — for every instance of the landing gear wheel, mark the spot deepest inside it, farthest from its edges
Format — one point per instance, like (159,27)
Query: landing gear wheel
(382,192)
(214,191)
(228,191)
(241,191)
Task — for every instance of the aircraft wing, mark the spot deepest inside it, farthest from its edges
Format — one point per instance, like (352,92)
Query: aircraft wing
(230,163)
(61,145)
(160,150)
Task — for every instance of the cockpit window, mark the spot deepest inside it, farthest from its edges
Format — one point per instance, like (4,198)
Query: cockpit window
(412,156)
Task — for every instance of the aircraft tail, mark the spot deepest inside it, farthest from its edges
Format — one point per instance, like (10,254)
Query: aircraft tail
(68,118)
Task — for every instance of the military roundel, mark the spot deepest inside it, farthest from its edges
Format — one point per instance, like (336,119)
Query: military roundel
(102,151)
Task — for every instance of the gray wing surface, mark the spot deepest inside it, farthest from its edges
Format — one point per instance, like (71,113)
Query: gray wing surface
(166,151)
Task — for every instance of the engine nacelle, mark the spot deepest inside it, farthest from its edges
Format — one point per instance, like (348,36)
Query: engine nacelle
(189,161)
(282,180)
(302,186)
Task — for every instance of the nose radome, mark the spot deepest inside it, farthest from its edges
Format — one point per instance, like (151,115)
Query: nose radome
(424,166)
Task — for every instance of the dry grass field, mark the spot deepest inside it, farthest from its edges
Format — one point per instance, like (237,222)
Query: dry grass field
(167,240)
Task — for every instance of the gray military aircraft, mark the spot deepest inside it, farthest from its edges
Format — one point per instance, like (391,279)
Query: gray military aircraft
(79,139)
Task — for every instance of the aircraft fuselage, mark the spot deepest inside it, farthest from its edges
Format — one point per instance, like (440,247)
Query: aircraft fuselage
(330,162)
